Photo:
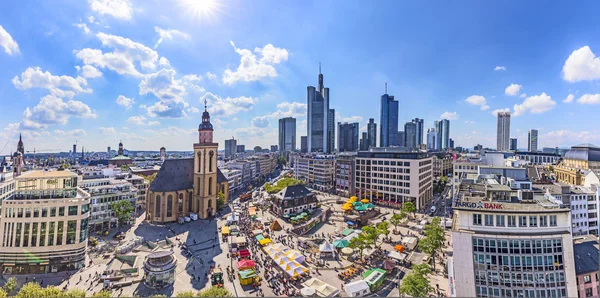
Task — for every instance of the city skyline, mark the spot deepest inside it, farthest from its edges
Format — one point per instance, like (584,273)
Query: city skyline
(153,94)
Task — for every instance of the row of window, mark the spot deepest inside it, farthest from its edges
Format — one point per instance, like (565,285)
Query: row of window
(482,291)
(44,233)
(511,220)
(43,211)
(383,162)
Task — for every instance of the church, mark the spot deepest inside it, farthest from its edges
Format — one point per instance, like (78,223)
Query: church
(188,185)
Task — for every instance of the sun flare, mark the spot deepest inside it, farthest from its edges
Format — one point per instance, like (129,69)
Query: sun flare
(204,10)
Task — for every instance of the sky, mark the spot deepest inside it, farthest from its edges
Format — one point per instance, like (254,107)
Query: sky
(99,71)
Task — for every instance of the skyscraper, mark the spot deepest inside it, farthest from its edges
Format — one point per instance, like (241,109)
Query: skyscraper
(74,149)
(419,131)
(240,149)
(230,147)
(532,140)
(364,142)
(372,133)
(431,138)
(287,134)
(451,143)
(410,135)
(401,139)
(303,144)
(503,132)
(331,131)
(319,126)
(389,121)
(513,144)
(443,134)
(348,137)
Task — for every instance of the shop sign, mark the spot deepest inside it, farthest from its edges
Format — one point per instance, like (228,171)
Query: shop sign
(478,205)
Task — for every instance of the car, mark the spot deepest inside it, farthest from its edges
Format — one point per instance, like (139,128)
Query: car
(187,219)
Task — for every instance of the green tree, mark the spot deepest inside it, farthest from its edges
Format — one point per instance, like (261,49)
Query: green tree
(3,293)
(370,234)
(360,243)
(383,229)
(220,200)
(281,184)
(215,292)
(101,294)
(73,293)
(434,239)
(186,294)
(124,168)
(409,208)
(52,291)
(150,178)
(123,209)
(397,219)
(10,286)
(30,290)
(416,284)
(281,160)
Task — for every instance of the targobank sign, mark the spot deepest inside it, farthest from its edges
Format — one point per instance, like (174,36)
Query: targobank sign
(478,205)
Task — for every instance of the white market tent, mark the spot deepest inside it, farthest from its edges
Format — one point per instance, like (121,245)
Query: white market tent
(357,288)
(397,256)
(323,289)
(353,235)
(296,256)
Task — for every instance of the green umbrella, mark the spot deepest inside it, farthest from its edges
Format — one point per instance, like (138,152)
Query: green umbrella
(357,204)
(361,208)
(340,243)
(286,215)
(304,214)
(370,206)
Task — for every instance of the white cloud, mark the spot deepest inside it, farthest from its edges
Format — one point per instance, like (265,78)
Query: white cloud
(513,89)
(125,101)
(88,71)
(523,95)
(351,119)
(70,133)
(193,110)
(210,75)
(469,122)
(253,69)
(36,78)
(8,43)
(164,62)
(290,109)
(122,60)
(495,112)
(569,98)
(169,34)
(582,65)
(260,122)
(119,9)
(83,27)
(53,110)
(561,138)
(591,99)
(107,130)
(170,92)
(500,68)
(153,123)
(449,116)
(92,20)
(478,100)
(131,136)
(191,81)
(138,120)
(536,104)
(143,106)
(228,106)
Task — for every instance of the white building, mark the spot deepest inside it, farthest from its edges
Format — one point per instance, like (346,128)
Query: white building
(104,192)
(510,244)
(503,132)
(462,168)
(317,171)
(234,177)
(7,185)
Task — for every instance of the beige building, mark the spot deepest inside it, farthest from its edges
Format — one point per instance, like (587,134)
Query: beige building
(44,224)
(317,171)
(184,186)
(576,162)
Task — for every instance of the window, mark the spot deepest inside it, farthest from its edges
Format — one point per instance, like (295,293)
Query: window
(36,212)
(522,221)
(589,292)
(477,219)
(512,221)
(60,227)
(34,232)
(189,202)
(157,206)
(85,208)
(210,161)
(18,235)
(533,221)
(26,235)
(51,234)
(587,279)
(83,230)
(489,220)
(169,205)
(71,229)
(72,210)
(53,212)
(27,212)
(61,211)
(543,221)
(499,220)
(44,212)
(43,234)
(210,185)
(553,220)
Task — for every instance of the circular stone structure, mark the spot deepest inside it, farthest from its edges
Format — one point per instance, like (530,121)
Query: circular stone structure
(159,268)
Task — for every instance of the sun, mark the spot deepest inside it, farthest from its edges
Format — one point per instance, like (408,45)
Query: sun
(204,10)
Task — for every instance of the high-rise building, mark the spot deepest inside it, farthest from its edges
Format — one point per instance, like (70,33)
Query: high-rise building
(304,144)
(532,140)
(331,131)
(364,141)
(74,149)
(230,147)
(478,147)
(287,134)
(401,138)
(410,135)
(431,139)
(348,136)
(451,143)
(319,126)
(443,134)
(257,149)
(513,144)
(503,132)
(372,133)
(274,148)
(419,131)
(240,149)
(108,151)
(389,121)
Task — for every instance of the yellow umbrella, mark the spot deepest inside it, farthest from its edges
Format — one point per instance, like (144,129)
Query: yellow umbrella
(353,198)
(364,200)
(346,207)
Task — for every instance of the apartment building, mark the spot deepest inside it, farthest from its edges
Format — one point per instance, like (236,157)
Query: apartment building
(104,192)
(345,173)
(234,177)
(317,171)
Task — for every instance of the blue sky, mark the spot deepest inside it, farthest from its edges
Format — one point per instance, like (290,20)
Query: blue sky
(100,71)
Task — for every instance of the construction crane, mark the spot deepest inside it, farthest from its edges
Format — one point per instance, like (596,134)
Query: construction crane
(41,150)
(4,146)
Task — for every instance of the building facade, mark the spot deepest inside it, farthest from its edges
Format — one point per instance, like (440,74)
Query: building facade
(230,148)
(587,267)
(317,171)
(503,131)
(388,121)
(418,131)
(293,200)
(431,139)
(287,134)
(513,144)
(372,133)
(304,144)
(538,158)
(443,134)
(240,149)
(344,174)
(532,140)
(575,162)
(390,176)
(410,135)
(104,192)
(348,136)
(364,141)
(319,132)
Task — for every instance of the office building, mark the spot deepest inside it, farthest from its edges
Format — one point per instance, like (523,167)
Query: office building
(451,143)
(513,144)
(364,141)
(274,148)
(240,149)
(443,134)
(503,132)
(401,139)
(418,131)
(317,171)
(348,136)
(46,217)
(532,140)
(287,134)
(388,121)
(234,178)
(372,133)
(442,164)
(320,127)
(510,243)
(103,192)
(74,149)
(392,176)
(304,144)
(345,173)
(410,135)
(230,147)
(431,139)
(538,158)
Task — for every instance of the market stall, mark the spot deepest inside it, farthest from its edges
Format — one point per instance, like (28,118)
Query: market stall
(264,242)
(248,277)
(374,277)
(358,288)
(326,250)
(296,256)
(322,288)
(246,264)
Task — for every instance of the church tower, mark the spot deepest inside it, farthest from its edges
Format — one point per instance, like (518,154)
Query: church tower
(20,147)
(205,169)
(120,152)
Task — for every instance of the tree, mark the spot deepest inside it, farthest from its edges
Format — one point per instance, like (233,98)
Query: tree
(281,184)
(102,294)
(150,178)
(124,168)
(409,207)
(281,160)
(220,200)
(10,286)
(3,293)
(123,209)
(185,294)
(214,292)
(359,243)
(434,239)
(397,219)
(383,228)
(73,293)
(416,284)
(30,290)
